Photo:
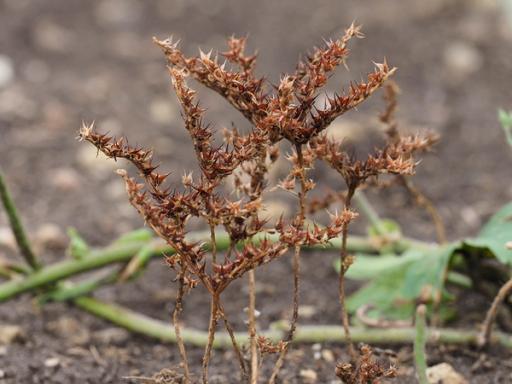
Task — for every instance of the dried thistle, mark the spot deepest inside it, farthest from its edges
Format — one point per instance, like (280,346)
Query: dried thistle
(365,370)
(286,114)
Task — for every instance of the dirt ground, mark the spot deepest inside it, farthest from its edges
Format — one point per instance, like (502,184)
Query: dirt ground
(67,61)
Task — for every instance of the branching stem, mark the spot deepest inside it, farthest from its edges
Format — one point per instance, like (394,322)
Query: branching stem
(252,327)
(231,333)
(420,341)
(214,309)
(177,326)
(17,226)
(296,266)
(343,269)
(485,335)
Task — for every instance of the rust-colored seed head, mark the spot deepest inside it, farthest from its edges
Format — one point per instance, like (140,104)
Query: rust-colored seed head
(286,114)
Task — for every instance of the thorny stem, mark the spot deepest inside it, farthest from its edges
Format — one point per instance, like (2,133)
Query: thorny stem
(420,342)
(296,267)
(485,334)
(213,243)
(343,270)
(231,333)
(252,327)
(211,336)
(176,321)
(228,252)
(17,227)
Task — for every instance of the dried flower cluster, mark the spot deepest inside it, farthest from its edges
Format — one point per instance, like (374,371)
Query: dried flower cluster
(365,370)
(286,115)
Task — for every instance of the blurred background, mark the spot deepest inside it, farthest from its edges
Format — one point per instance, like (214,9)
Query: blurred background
(68,61)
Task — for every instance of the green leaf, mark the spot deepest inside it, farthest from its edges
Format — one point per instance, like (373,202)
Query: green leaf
(137,235)
(401,281)
(506,123)
(367,267)
(78,247)
(385,227)
(495,235)
(428,271)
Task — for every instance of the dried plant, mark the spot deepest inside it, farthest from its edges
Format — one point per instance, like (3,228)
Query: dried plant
(365,370)
(286,115)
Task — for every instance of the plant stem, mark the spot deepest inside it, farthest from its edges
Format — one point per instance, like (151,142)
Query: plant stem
(252,327)
(211,337)
(296,267)
(343,269)
(485,334)
(371,214)
(234,342)
(213,243)
(420,342)
(66,291)
(119,253)
(138,323)
(17,226)
(176,322)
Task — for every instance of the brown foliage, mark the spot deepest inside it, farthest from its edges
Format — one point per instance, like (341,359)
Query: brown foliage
(365,370)
(286,114)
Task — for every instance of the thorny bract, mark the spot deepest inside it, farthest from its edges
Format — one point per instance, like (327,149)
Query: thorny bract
(285,113)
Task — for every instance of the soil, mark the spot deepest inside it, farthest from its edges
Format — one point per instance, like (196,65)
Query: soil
(75,61)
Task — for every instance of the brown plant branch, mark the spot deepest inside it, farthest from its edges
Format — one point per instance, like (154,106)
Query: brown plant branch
(299,224)
(211,337)
(345,263)
(176,321)
(485,334)
(252,327)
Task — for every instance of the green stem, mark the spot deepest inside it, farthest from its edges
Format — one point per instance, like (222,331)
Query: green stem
(160,330)
(420,341)
(67,268)
(68,291)
(17,226)
(120,253)
(371,214)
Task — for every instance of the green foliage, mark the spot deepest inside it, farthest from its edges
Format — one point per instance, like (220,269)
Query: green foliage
(506,123)
(495,234)
(386,227)
(396,282)
(138,235)
(78,247)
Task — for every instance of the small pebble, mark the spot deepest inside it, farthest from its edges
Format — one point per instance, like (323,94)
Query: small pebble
(307,311)
(7,239)
(10,334)
(444,373)
(66,179)
(462,59)
(52,362)
(6,71)
(328,356)
(162,111)
(111,336)
(50,235)
(308,375)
